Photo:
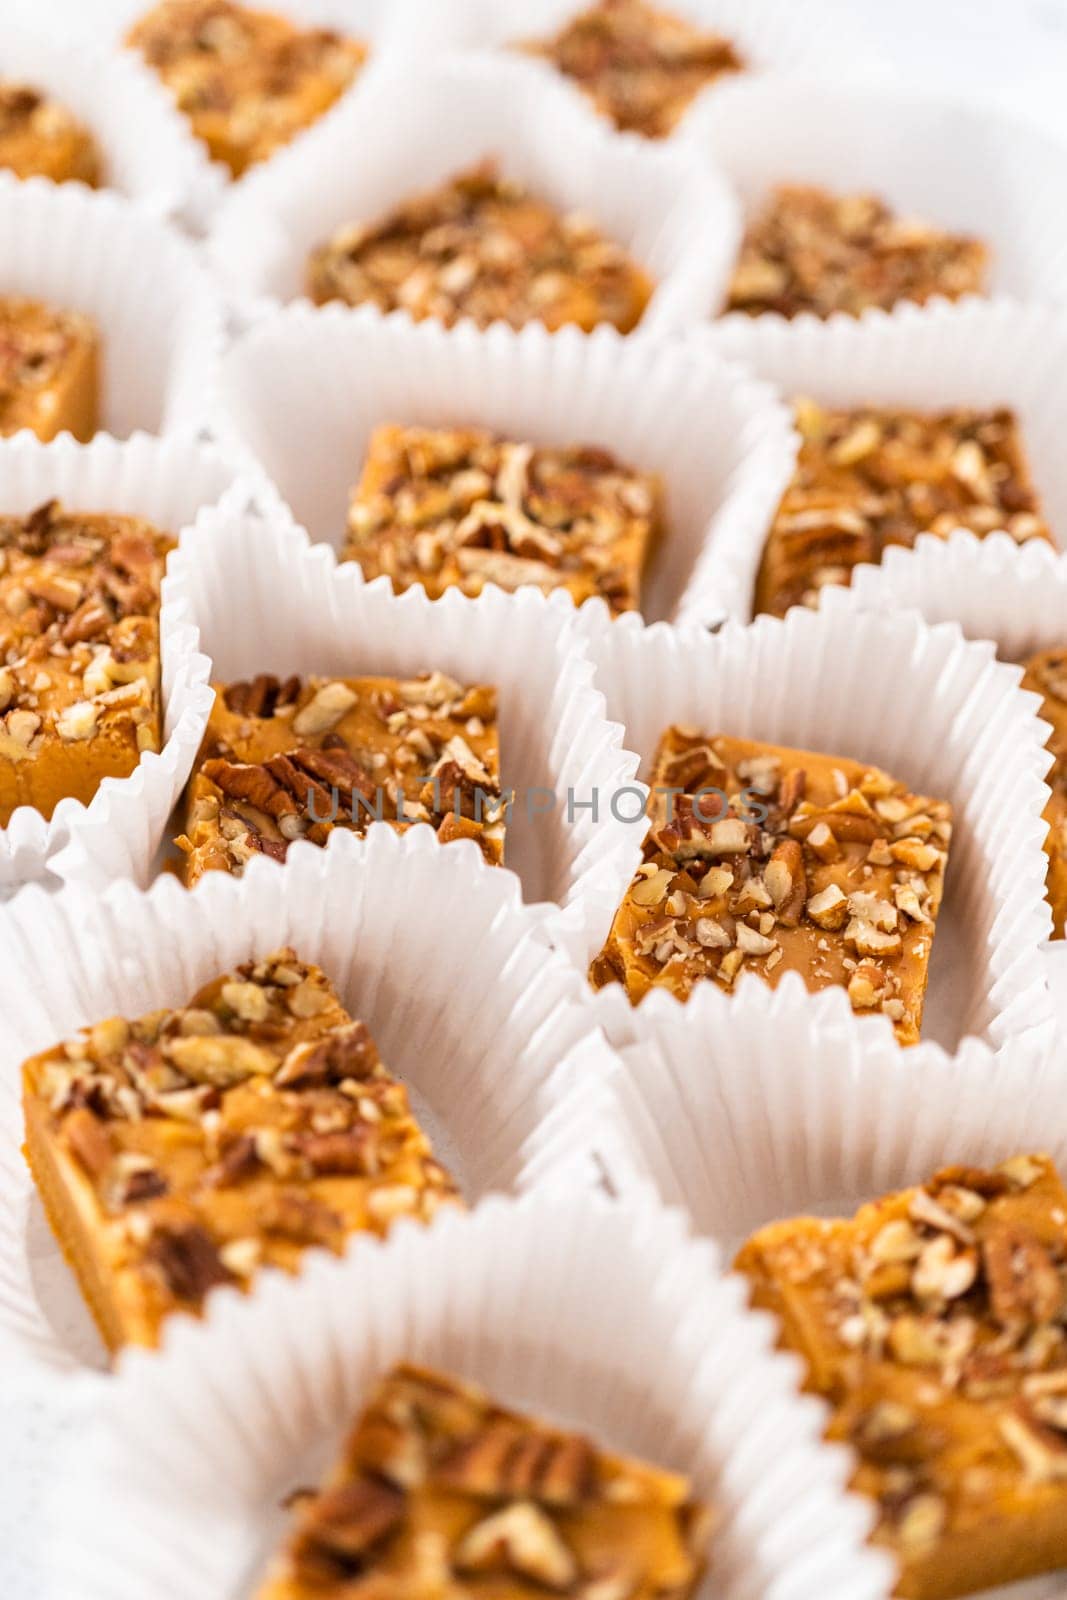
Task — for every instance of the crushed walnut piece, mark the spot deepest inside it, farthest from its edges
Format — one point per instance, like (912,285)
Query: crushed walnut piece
(935,1323)
(49,370)
(868,479)
(247,80)
(283,761)
(769,860)
(79,653)
(1046,675)
(441,1491)
(810,251)
(190,1147)
(483,247)
(640,66)
(39,138)
(460,508)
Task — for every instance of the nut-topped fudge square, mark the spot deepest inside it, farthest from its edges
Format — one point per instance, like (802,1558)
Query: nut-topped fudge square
(640,66)
(190,1147)
(293,759)
(49,370)
(481,246)
(1046,675)
(869,478)
(810,251)
(460,508)
(39,138)
(441,1491)
(769,860)
(79,653)
(247,80)
(935,1324)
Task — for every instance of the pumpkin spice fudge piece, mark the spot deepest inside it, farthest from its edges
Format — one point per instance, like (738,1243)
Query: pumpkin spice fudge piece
(640,66)
(441,1491)
(188,1148)
(1046,675)
(870,478)
(79,653)
(769,860)
(935,1324)
(294,759)
(810,251)
(460,508)
(247,80)
(483,247)
(39,138)
(49,370)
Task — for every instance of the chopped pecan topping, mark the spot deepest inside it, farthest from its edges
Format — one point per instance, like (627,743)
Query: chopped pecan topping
(189,1261)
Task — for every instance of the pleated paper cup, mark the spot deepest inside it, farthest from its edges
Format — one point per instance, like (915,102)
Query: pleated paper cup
(428,946)
(303,391)
(415,128)
(158,316)
(611,1320)
(936,712)
(168,482)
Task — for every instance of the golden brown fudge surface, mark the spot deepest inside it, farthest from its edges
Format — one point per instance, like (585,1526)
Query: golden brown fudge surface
(79,653)
(483,247)
(818,865)
(1046,675)
(935,1324)
(640,66)
(190,1147)
(247,80)
(294,759)
(459,508)
(442,1492)
(49,370)
(807,250)
(39,138)
(870,478)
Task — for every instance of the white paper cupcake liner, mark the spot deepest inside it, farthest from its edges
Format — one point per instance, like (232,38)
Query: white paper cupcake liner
(415,128)
(304,390)
(159,318)
(168,482)
(980,354)
(935,711)
(554,1303)
(427,945)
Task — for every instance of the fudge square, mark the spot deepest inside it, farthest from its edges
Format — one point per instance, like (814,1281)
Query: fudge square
(460,508)
(247,80)
(935,1324)
(640,66)
(187,1148)
(79,646)
(39,138)
(870,478)
(293,759)
(49,370)
(1046,675)
(483,247)
(800,862)
(810,251)
(441,1491)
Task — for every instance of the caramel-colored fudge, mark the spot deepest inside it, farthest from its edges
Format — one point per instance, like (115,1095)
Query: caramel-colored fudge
(191,1147)
(867,479)
(935,1324)
(640,66)
(807,250)
(49,370)
(458,508)
(248,81)
(292,760)
(485,248)
(39,138)
(79,644)
(1046,675)
(441,1492)
(768,860)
